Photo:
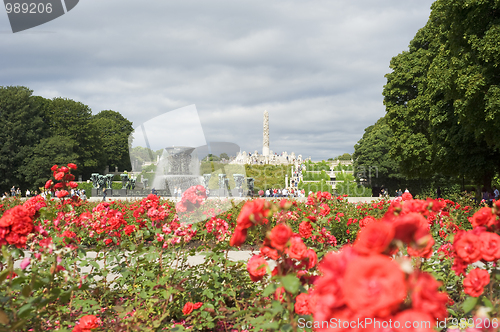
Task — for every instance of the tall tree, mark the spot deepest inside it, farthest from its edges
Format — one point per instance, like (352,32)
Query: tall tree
(114,130)
(372,161)
(441,98)
(21,129)
(52,150)
(74,121)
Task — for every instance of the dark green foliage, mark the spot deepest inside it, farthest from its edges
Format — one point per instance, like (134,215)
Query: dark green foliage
(36,133)
(73,120)
(372,161)
(345,156)
(21,128)
(114,131)
(443,95)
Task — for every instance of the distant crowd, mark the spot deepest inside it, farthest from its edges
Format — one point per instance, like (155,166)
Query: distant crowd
(277,192)
(16,192)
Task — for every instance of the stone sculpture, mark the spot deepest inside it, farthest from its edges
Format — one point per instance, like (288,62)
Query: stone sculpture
(124,177)
(108,179)
(206,180)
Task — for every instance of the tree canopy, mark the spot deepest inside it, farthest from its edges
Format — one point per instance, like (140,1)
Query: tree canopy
(22,126)
(36,133)
(372,161)
(114,130)
(443,94)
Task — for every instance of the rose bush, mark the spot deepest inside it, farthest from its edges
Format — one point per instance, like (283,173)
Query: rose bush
(317,260)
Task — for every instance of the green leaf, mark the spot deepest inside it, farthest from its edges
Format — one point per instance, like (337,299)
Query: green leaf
(487,302)
(291,283)
(24,310)
(3,275)
(469,304)
(270,289)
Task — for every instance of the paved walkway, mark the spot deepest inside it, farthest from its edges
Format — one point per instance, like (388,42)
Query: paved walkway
(242,255)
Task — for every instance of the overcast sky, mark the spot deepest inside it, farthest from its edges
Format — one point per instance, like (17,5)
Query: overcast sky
(317,67)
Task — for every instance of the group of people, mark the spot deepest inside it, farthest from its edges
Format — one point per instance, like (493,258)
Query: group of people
(490,195)
(398,193)
(277,192)
(44,193)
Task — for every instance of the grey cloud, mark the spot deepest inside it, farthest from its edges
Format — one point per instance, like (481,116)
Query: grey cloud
(317,66)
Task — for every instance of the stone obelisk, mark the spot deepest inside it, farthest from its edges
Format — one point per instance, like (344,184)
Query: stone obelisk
(265,145)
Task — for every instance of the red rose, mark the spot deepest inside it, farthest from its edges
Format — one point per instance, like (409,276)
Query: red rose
(280,235)
(297,248)
(58,185)
(302,304)
(64,169)
(72,166)
(129,229)
(16,239)
(197,305)
(305,229)
(73,184)
(410,227)
(374,284)
(54,168)
(269,252)
(188,308)
(253,212)
(256,267)
(490,246)
(62,193)
(22,227)
(324,210)
(475,282)
(312,218)
(424,249)
(239,237)
(48,184)
(468,247)
(425,296)
(365,221)
(374,238)
(88,322)
(59,176)
(406,196)
(17,215)
(310,258)
(483,217)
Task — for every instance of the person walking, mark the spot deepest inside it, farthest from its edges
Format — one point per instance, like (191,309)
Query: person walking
(104,194)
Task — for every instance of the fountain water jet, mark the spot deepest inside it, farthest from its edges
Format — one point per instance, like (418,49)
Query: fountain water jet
(178,167)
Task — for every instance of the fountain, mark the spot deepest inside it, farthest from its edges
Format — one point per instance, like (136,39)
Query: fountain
(178,167)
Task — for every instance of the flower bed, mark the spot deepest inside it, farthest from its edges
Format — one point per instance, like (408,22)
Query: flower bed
(389,262)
